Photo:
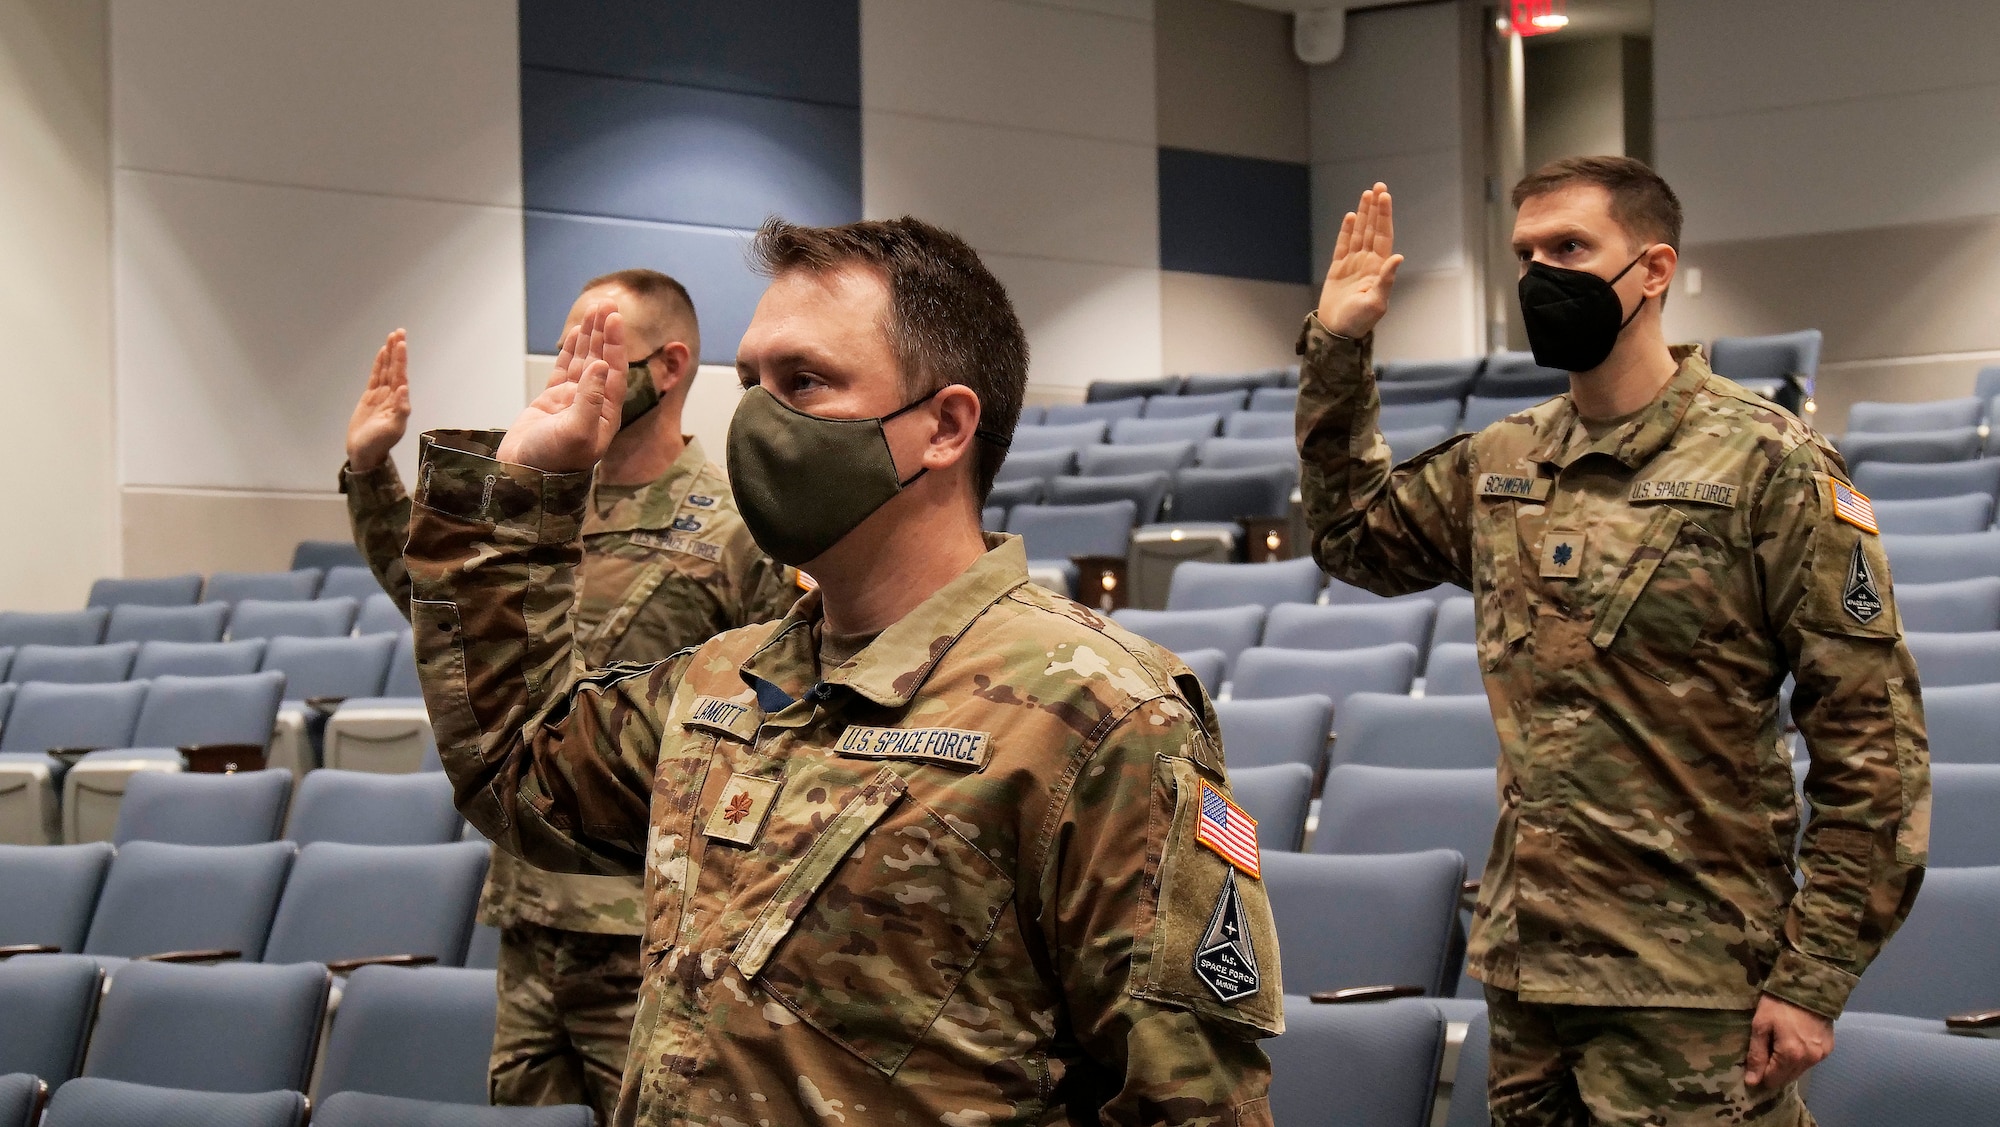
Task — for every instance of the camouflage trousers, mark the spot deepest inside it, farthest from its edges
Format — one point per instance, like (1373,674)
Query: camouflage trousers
(566,1004)
(1579,1066)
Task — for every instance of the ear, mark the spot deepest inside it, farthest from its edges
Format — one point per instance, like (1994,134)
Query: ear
(1660,264)
(952,440)
(676,367)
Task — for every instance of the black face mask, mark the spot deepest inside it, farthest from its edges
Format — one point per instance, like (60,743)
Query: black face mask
(1573,317)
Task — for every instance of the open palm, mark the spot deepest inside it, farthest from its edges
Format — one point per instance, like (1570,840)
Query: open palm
(571,423)
(1356,293)
(383,413)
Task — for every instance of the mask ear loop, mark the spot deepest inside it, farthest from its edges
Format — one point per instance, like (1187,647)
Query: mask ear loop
(992,436)
(1643,299)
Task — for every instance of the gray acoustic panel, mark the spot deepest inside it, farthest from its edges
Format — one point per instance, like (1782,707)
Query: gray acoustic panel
(565,251)
(807,50)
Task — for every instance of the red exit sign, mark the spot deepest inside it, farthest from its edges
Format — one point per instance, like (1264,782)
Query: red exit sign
(1539,17)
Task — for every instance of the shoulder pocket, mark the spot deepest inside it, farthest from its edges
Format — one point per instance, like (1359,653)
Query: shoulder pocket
(870,934)
(1850,592)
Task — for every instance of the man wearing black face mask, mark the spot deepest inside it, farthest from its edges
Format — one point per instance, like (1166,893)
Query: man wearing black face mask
(1652,554)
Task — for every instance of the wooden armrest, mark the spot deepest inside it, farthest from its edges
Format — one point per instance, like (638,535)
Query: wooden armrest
(223,759)
(349,966)
(324,704)
(13,949)
(1984,1019)
(1365,994)
(212,955)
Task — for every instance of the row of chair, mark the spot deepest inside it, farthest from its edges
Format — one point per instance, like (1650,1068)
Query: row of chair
(203,622)
(346,580)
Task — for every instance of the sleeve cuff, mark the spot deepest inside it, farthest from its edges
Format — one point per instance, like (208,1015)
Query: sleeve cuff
(1810,983)
(380,486)
(460,478)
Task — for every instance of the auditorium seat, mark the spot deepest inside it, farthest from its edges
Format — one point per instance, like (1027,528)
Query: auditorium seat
(49,1003)
(46,717)
(1265,671)
(1965,817)
(418,1034)
(198,659)
(91,1102)
(1965,606)
(1205,586)
(1306,626)
(1355,1066)
(388,733)
(1939,963)
(1896,481)
(1453,671)
(1969,512)
(1468,1085)
(317,618)
(1186,406)
(1108,411)
(6,661)
(1422,391)
(1365,809)
(1209,666)
(1954,445)
(1956,659)
(53,628)
(1339,593)
(240,808)
(164,591)
(1056,534)
(1963,724)
(483,952)
(1228,629)
(380,615)
(1146,490)
(50,892)
(1483,411)
(1007,494)
(321,672)
(1941,559)
(1258,733)
(1407,444)
(74,665)
(233,1027)
(135,622)
(1023,464)
(1894,1076)
(1186,428)
(160,898)
(362,902)
(1458,621)
(1388,730)
(1277,797)
(1274,400)
(325,555)
(1210,383)
(363,808)
(1100,391)
(1145,457)
(1516,375)
(273,586)
(1406,416)
(1224,496)
(1904,418)
(1244,453)
(1464,371)
(1258,424)
(355,583)
(1764,363)
(1357,920)
(1068,436)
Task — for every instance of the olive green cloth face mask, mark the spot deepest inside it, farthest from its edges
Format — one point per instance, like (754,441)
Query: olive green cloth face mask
(640,394)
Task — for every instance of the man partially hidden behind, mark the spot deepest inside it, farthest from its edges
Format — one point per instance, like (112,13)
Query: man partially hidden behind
(1652,554)
(666,564)
(939,847)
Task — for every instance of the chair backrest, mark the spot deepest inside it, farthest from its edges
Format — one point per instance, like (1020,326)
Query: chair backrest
(1036,465)
(1955,659)
(365,1109)
(163,897)
(1339,593)
(356,583)
(1277,796)
(1276,400)
(1409,442)
(1964,800)
(1901,418)
(46,716)
(162,591)
(1482,411)
(1771,357)
(1447,733)
(317,618)
(49,1002)
(1422,391)
(235,586)
(1189,428)
(232,1027)
(1964,606)
(1425,371)
(364,901)
(1269,671)
(90,1102)
(421,1034)
(1356,1065)
(1247,453)
(1070,436)
(1100,391)
(1209,666)
(185,711)
(1197,585)
(50,892)
(1939,963)
(1209,494)
(1954,445)
(324,555)
(380,615)
(198,659)
(6,660)
(1959,719)
(1941,559)
(1144,457)
(1967,512)
(196,622)
(331,667)
(1257,733)
(1906,1077)
(363,808)
(1306,626)
(1897,481)
(75,665)
(6,701)
(1366,919)
(1146,491)
(242,808)
(1258,425)
(1468,1086)
(1516,375)
(1366,809)
(402,681)
(54,628)
(1104,411)
(1060,532)
(1209,383)
(1458,621)
(1404,416)
(1006,494)
(1191,405)
(1228,629)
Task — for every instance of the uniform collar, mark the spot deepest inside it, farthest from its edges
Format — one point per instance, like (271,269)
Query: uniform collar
(656,502)
(1639,440)
(891,669)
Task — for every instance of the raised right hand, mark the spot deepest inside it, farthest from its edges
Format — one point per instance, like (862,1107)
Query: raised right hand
(384,411)
(571,423)
(1356,294)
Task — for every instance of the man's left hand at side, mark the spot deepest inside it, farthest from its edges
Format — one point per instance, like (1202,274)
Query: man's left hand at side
(1785,1041)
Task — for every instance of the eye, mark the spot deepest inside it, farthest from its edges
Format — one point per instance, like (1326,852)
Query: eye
(803,381)
(1571,246)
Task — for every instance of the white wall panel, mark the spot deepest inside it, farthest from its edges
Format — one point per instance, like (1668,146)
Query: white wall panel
(414,99)
(1394,89)
(1426,189)
(247,317)
(1141,10)
(1016,191)
(1084,322)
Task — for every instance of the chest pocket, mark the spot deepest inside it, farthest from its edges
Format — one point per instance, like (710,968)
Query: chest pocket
(1662,598)
(671,840)
(868,937)
(1502,586)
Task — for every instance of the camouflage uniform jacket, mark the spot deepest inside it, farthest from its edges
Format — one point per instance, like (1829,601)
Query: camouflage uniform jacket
(666,568)
(954,879)
(1640,601)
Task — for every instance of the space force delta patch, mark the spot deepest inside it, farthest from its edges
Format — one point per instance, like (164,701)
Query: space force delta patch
(1860,597)
(1226,960)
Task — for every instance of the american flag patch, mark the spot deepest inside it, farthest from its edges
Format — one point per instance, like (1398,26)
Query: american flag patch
(1225,828)
(1853,507)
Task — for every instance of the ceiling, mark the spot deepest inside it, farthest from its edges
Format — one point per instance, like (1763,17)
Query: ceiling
(1586,17)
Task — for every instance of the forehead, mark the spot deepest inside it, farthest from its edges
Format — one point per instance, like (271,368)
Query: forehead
(626,301)
(845,308)
(1573,209)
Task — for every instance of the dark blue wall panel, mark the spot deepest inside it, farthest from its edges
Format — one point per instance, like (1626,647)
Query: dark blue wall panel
(806,50)
(643,150)
(1239,217)
(565,251)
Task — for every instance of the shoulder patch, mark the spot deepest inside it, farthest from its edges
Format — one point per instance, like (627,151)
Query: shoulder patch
(1852,506)
(1515,488)
(1224,827)
(1860,597)
(1691,492)
(1226,958)
(949,746)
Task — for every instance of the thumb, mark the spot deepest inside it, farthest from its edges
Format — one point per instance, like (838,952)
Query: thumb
(1760,1053)
(592,391)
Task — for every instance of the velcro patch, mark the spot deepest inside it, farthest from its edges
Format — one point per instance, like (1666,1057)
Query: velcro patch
(700,501)
(1224,827)
(1226,959)
(1562,554)
(679,542)
(741,808)
(1854,507)
(1691,492)
(949,746)
(1516,488)
(1860,597)
(735,718)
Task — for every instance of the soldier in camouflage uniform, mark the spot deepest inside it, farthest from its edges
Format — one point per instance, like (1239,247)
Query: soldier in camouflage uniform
(1652,554)
(939,847)
(666,564)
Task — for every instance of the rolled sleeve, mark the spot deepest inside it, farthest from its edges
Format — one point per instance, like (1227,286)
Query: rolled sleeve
(462,479)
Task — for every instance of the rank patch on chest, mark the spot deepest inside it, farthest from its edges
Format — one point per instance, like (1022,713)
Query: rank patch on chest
(1860,598)
(1562,554)
(679,542)
(1689,492)
(1516,488)
(1225,828)
(949,746)
(740,811)
(1226,959)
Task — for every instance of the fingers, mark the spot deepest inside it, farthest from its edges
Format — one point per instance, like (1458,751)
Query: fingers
(566,358)
(399,359)
(1385,279)
(1385,233)
(614,339)
(1758,1064)
(1345,242)
(1364,224)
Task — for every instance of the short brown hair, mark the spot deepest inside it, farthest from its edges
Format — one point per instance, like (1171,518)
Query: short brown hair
(668,297)
(952,321)
(1641,202)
